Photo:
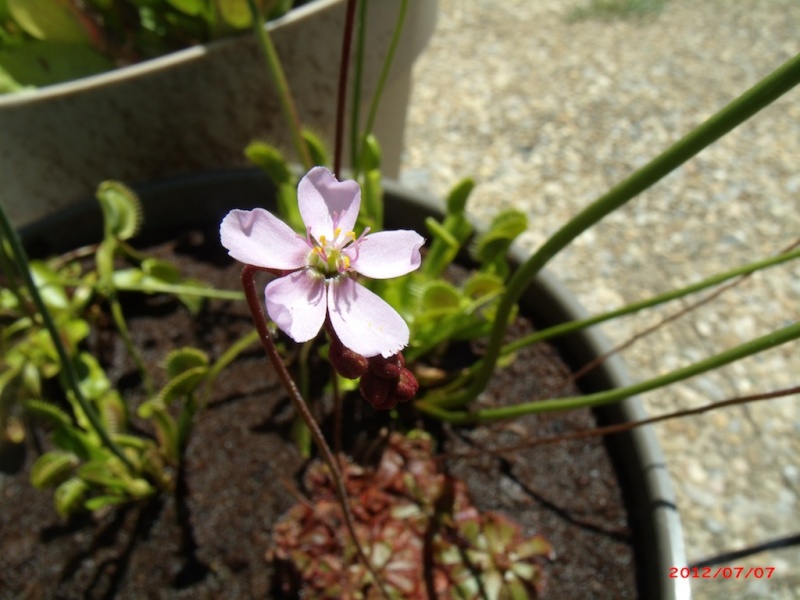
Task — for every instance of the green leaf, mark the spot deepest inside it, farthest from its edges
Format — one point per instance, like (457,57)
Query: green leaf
(93,380)
(371,154)
(48,20)
(183,359)
(372,200)
(39,63)
(457,199)
(113,411)
(194,302)
(104,260)
(76,441)
(316,147)
(52,468)
(270,160)
(491,247)
(188,7)
(98,502)
(439,295)
(68,496)
(127,278)
(183,384)
(288,208)
(235,13)
(482,284)
(166,429)
(48,411)
(48,283)
(161,269)
(122,210)
(102,473)
(31,378)
(449,236)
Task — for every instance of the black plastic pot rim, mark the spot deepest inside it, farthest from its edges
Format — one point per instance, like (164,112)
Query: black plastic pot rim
(195,199)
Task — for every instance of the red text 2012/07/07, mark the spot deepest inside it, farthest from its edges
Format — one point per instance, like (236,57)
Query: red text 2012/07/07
(721,572)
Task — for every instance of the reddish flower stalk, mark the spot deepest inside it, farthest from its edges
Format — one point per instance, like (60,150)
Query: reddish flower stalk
(259,319)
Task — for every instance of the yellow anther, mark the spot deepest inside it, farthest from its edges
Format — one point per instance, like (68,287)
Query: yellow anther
(322,240)
(336,232)
(351,235)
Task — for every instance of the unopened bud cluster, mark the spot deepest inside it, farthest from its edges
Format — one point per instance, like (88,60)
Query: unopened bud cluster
(384,381)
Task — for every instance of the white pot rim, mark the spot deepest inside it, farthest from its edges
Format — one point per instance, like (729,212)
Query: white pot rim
(160,63)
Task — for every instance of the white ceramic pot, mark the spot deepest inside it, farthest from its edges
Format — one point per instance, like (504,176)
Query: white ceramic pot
(196,109)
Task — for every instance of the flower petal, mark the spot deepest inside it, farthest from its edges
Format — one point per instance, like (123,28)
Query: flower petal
(326,203)
(297,304)
(386,254)
(364,322)
(256,237)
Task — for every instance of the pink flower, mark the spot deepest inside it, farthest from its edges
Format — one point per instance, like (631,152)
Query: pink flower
(323,264)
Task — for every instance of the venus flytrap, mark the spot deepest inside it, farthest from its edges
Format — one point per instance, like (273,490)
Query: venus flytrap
(49,308)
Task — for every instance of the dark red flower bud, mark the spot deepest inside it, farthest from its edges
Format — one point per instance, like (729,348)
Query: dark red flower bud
(347,363)
(406,386)
(387,367)
(378,391)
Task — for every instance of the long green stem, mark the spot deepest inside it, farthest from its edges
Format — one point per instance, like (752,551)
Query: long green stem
(387,65)
(573,326)
(771,340)
(355,107)
(67,365)
(288,106)
(745,106)
(622,427)
(127,341)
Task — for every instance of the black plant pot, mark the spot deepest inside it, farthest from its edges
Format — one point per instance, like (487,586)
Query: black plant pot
(637,457)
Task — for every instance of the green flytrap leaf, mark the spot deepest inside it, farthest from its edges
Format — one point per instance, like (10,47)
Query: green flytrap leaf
(185,359)
(182,385)
(122,210)
(52,468)
(270,160)
(113,411)
(491,248)
(47,411)
(440,296)
(316,147)
(449,235)
(69,496)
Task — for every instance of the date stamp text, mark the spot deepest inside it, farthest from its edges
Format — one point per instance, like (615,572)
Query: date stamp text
(721,572)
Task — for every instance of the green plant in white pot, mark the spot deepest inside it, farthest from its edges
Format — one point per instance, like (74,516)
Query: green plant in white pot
(192,109)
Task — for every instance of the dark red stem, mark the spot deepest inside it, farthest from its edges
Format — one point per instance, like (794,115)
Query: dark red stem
(260,321)
(342,97)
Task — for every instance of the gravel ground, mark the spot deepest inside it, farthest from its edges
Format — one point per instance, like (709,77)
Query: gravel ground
(546,114)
